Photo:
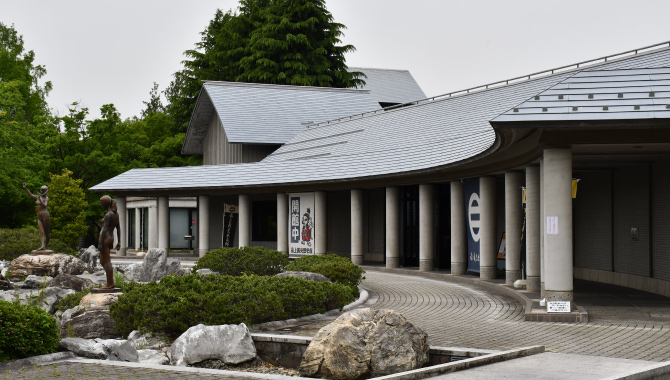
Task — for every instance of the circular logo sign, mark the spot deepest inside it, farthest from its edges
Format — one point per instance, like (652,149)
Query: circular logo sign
(473,209)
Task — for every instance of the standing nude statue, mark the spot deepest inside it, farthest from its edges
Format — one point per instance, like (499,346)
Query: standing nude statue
(106,240)
(43,219)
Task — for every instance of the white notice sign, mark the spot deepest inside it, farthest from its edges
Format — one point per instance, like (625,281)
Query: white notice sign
(558,307)
(552,225)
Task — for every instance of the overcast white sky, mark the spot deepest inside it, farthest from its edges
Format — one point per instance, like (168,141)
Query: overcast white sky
(100,52)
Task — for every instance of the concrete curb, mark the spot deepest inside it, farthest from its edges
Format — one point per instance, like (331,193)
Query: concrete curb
(37,360)
(460,365)
(277,325)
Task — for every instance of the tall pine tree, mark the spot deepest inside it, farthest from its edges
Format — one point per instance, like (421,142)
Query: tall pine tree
(293,42)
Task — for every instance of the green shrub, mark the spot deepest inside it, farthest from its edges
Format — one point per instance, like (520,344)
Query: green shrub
(246,260)
(17,242)
(176,303)
(336,268)
(26,330)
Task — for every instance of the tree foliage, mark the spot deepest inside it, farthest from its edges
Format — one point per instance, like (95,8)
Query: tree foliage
(293,42)
(68,208)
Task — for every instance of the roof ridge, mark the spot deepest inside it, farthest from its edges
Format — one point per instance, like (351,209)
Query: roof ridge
(284,86)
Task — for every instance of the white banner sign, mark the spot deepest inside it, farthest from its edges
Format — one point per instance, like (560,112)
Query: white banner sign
(301,223)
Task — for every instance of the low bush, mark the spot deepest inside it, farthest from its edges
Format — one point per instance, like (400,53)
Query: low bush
(246,260)
(26,330)
(177,303)
(336,268)
(17,242)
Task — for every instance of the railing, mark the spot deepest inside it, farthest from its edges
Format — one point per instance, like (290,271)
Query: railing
(501,83)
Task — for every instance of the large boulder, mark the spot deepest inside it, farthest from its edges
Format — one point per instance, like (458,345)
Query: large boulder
(110,349)
(154,266)
(90,319)
(149,356)
(365,342)
(90,256)
(68,281)
(232,344)
(44,265)
(318,277)
(35,282)
(51,296)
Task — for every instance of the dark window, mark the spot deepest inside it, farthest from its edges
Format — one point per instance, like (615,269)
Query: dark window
(264,221)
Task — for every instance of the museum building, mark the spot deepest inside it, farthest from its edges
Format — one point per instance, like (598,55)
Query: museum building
(553,176)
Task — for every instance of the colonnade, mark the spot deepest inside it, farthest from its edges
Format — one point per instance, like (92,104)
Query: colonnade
(548,225)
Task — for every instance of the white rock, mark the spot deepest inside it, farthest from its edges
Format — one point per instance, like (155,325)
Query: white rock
(154,266)
(153,357)
(119,350)
(36,282)
(231,344)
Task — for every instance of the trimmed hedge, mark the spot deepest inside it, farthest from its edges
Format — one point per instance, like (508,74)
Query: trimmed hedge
(246,260)
(26,330)
(20,241)
(336,268)
(176,303)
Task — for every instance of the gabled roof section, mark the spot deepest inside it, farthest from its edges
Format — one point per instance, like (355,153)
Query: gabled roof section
(600,95)
(391,86)
(269,114)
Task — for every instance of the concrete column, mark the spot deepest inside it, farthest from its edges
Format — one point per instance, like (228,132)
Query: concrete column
(392,227)
(513,222)
(245,220)
(459,240)
(138,229)
(320,224)
(487,243)
(533,228)
(203,225)
(282,222)
(542,227)
(152,239)
(123,225)
(164,223)
(558,225)
(357,227)
(426,227)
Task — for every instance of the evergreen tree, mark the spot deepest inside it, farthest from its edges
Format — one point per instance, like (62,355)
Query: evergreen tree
(292,42)
(67,208)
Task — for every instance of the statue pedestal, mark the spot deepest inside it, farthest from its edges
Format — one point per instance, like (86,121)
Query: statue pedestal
(37,252)
(100,290)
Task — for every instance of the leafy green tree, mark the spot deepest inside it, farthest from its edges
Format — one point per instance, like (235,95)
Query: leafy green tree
(292,42)
(25,123)
(67,208)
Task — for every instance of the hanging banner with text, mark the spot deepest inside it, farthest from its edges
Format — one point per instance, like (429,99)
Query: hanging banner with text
(301,224)
(230,216)
(472,215)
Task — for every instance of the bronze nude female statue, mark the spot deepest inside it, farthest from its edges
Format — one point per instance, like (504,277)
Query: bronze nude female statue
(43,219)
(106,239)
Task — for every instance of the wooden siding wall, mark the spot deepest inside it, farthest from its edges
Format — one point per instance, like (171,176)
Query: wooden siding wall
(218,150)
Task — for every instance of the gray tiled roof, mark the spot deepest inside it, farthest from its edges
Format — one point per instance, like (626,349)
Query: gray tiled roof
(431,134)
(391,86)
(600,95)
(269,114)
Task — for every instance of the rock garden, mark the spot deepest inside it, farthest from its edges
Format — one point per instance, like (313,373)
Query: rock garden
(167,314)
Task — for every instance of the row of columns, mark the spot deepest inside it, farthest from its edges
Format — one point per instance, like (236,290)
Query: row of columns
(548,225)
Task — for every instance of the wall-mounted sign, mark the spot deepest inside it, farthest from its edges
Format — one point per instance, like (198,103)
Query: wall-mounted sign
(230,216)
(552,225)
(558,307)
(472,214)
(301,223)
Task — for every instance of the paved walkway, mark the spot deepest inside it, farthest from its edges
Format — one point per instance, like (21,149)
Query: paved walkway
(456,315)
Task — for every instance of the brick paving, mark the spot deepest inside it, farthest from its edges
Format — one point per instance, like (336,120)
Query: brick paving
(456,315)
